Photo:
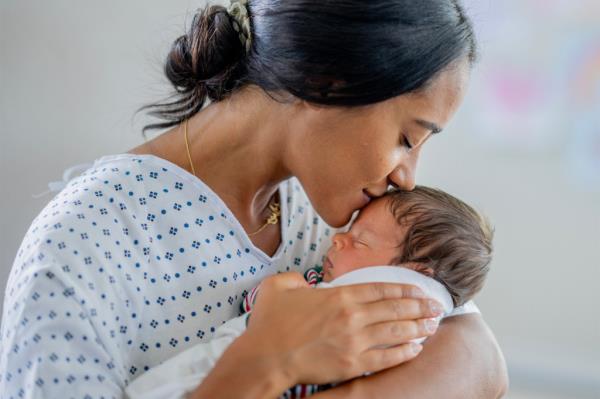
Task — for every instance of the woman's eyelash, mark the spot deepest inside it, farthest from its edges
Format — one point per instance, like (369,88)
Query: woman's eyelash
(406,143)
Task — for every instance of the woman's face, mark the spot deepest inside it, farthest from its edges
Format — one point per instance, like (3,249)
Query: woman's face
(343,156)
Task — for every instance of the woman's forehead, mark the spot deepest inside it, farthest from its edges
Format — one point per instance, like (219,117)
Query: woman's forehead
(433,106)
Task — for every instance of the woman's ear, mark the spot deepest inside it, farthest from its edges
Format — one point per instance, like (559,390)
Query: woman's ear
(314,107)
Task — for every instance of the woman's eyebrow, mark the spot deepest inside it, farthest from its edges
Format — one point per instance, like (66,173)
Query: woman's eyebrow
(429,126)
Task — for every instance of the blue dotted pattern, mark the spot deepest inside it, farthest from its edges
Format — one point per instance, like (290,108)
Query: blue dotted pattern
(133,262)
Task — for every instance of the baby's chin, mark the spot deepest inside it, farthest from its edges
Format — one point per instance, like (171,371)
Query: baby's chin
(327,277)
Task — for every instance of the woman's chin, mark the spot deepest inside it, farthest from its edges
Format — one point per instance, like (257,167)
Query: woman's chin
(336,215)
(336,219)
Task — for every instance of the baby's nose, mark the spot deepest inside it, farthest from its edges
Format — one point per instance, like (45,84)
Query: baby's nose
(338,241)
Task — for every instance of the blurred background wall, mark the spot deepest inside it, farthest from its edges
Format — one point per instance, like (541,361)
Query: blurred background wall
(524,148)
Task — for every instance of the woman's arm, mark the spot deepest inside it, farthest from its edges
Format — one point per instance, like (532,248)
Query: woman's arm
(50,346)
(462,360)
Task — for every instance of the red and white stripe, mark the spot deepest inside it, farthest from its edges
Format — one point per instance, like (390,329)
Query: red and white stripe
(249,299)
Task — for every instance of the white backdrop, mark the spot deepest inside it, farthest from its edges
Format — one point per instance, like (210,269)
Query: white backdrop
(73,73)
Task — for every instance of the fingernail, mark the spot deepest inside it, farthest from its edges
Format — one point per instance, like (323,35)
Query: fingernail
(435,307)
(431,325)
(416,348)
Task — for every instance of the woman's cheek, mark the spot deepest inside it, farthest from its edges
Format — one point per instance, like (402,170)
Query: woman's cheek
(382,165)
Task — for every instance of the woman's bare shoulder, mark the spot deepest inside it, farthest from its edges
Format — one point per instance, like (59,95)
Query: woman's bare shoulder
(167,146)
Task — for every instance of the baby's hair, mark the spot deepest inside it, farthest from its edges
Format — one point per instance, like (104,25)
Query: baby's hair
(446,235)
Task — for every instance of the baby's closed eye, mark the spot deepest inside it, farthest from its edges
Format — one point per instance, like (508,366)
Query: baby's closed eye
(359,243)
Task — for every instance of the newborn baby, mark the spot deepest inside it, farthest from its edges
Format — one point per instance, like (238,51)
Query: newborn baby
(423,237)
(426,230)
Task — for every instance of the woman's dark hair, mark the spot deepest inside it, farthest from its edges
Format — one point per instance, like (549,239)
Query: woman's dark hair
(339,52)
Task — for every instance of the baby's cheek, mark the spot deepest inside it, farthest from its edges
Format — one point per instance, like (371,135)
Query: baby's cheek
(346,265)
(336,272)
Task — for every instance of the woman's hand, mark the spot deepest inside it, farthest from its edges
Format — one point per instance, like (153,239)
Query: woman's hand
(331,334)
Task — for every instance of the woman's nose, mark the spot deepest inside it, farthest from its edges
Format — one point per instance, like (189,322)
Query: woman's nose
(403,176)
(403,179)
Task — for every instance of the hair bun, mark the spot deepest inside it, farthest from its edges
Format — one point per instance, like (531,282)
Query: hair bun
(206,55)
(206,62)
(179,68)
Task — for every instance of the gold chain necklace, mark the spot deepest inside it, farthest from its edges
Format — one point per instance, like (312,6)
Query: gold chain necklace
(274,207)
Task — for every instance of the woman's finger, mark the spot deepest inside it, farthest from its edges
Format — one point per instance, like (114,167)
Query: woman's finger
(394,333)
(285,280)
(376,360)
(399,309)
(372,292)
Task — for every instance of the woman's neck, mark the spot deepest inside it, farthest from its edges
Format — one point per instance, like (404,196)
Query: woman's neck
(238,147)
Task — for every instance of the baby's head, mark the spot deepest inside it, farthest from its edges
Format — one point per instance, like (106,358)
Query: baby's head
(425,229)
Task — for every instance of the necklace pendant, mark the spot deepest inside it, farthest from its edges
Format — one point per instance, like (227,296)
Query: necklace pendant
(275,212)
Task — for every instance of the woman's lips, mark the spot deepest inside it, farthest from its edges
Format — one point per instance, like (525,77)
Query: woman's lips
(366,198)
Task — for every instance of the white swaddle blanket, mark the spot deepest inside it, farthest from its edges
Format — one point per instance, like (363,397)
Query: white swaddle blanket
(396,274)
(182,373)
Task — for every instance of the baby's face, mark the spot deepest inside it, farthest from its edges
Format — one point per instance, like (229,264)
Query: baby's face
(372,240)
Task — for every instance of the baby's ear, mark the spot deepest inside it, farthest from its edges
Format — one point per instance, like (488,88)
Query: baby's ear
(419,267)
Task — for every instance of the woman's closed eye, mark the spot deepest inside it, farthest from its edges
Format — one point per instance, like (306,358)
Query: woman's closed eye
(406,142)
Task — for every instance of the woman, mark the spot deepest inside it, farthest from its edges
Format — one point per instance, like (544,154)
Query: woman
(316,107)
